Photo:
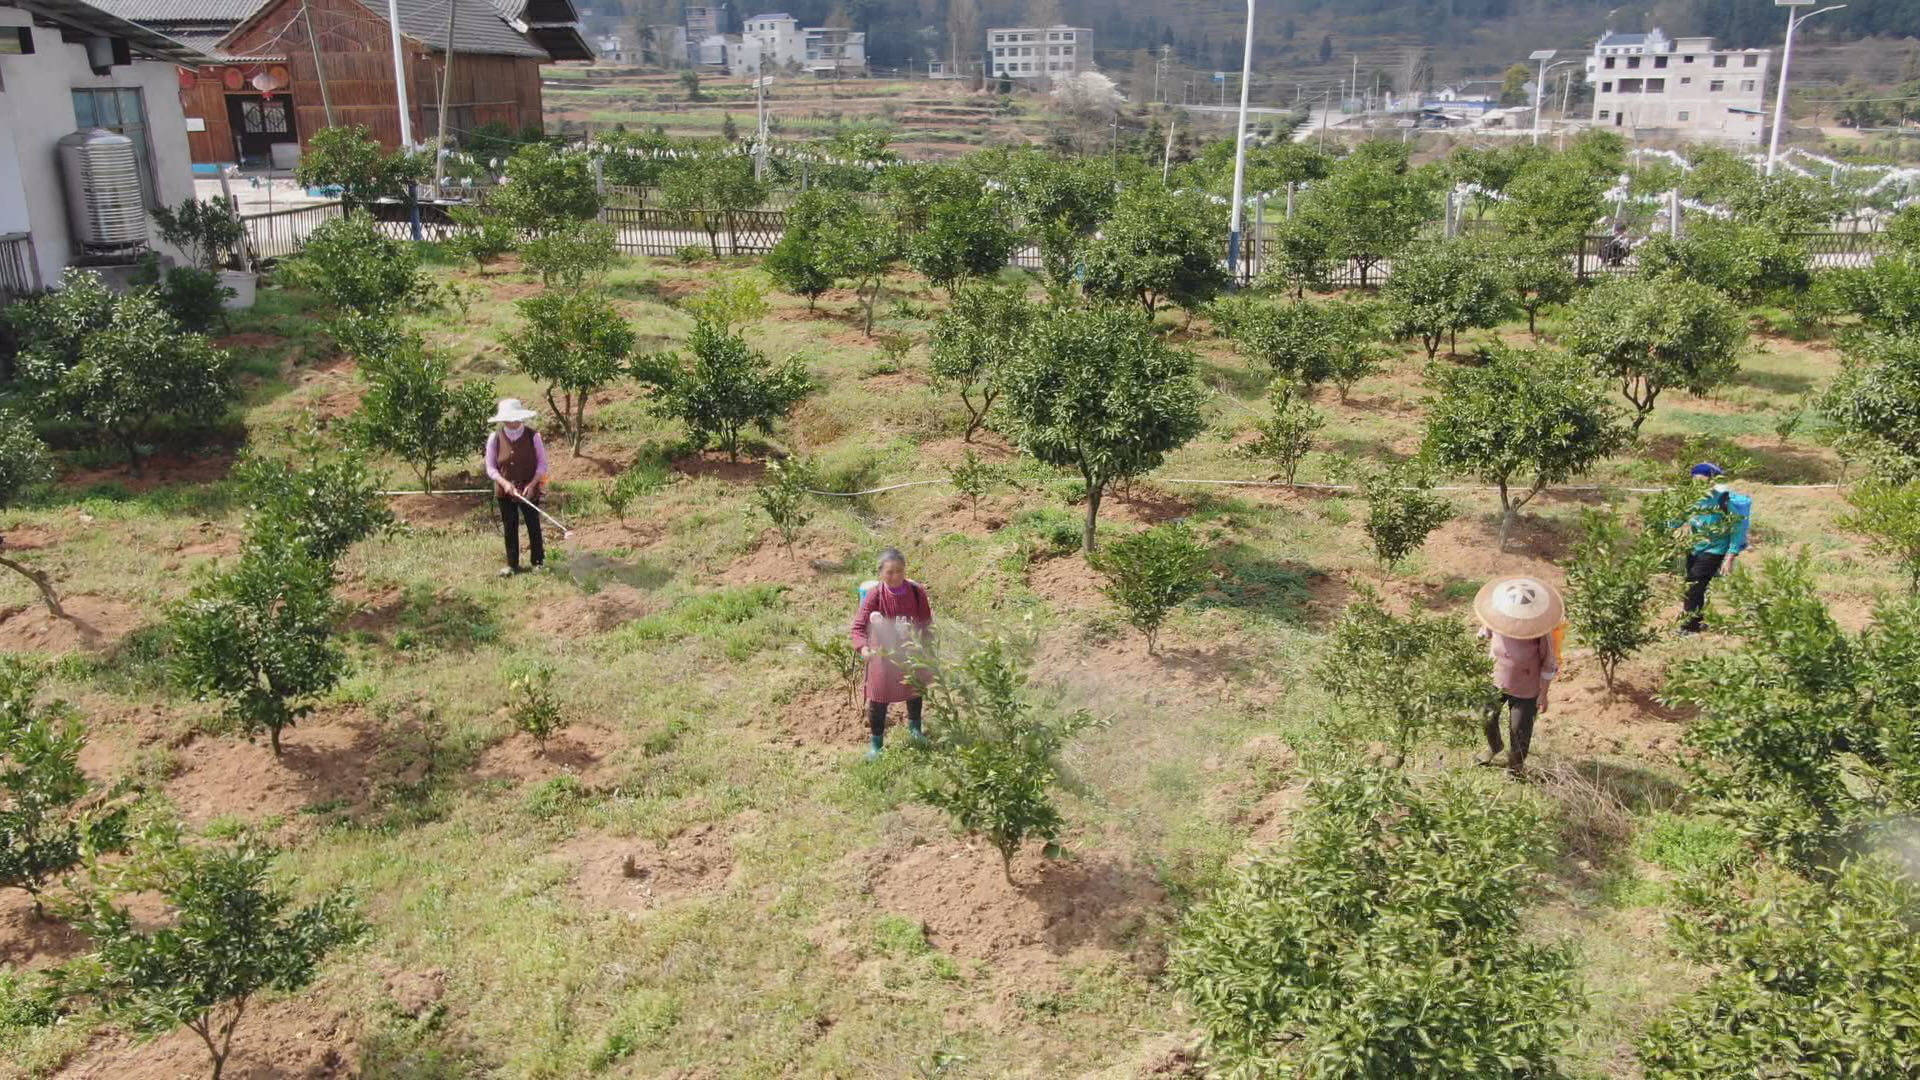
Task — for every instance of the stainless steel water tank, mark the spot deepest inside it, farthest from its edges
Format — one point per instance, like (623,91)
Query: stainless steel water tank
(103,190)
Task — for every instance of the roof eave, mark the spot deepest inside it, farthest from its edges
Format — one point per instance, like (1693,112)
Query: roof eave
(150,44)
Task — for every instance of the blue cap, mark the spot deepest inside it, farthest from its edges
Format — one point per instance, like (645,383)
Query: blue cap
(1707,469)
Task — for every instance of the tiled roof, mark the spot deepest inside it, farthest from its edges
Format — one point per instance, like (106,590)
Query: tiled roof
(478,27)
(230,12)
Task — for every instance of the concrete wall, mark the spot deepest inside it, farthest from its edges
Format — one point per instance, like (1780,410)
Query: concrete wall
(1687,89)
(36,109)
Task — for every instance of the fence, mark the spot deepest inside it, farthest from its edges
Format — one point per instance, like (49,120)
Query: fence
(19,268)
(279,233)
(642,230)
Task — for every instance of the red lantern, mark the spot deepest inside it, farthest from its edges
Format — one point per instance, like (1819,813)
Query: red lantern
(232,79)
(186,78)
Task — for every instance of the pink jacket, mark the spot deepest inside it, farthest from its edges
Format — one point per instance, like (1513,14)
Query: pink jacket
(1522,666)
(885,680)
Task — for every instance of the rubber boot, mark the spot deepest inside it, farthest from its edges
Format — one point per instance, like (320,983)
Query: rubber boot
(918,736)
(1520,737)
(1487,756)
(877,743)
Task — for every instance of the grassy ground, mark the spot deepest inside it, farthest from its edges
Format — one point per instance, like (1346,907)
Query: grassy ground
(702,877)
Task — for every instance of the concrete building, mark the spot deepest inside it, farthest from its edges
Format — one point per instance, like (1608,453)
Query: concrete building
(1650,84)
(703,22)
(65,66)
(774,37)
(612,50)
(1039,52)
(833,51)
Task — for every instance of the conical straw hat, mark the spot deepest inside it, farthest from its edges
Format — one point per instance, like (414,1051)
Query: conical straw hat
(1519,607)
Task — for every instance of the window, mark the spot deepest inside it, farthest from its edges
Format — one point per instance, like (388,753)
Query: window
(1656,86)
(1751,60)
(1609,63)
(1631,86)
(1606,88)
(1746,86)
(1686,59)
(1659,61)
(1053,50)
(1716,85)
(122,112)
(1719,61)
(1633,61)
(1604,113)
(1685,116)
(1686,80)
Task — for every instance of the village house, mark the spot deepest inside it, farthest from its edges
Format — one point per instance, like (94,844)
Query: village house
(284,69)
(67,66)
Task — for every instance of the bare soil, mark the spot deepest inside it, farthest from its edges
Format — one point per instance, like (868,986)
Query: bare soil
(634,875)
(284,1040)
(1066,582)
(827,718)
(90,624)
(1082,906)
(582,751)
(594,613)
(160,470)
(324,759)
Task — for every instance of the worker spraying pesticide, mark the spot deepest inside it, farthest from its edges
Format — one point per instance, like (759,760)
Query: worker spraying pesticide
(893,629)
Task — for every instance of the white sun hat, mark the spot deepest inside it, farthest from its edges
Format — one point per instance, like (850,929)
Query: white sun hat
(511,411)
(1519,607)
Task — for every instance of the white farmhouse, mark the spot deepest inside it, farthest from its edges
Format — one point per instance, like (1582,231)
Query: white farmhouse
(1038,52)
(66,66)
(1650,84)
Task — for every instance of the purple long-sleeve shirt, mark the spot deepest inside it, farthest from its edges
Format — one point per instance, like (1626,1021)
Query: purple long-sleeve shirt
(492,453)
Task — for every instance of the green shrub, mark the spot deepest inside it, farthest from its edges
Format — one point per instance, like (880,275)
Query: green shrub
(209,233)
(412,409)
(1438,290)
(1402,510)
(483,236)
(972,478)
(1404,678)
(230,935)
(575,343)
(723,387)
(355,267)
(1152,572)
(1287,433)
(570,253)
(1385,941)
(194,297)
(45,827)
(1611,594)
(996,751)
(640,479)
(323,507)
(1890,515)
(1651,336)
(532,704)
(1810,979)
(970,342)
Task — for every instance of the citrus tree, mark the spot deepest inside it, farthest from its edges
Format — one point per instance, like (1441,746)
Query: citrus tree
(1406,677)
(1402,510)
(1612,593)
(323,505)
(1890,515)
(723,386)
(575,343)
(1287,432)
(229,936)
(414,411)
(710,189)
(357,268)
(963,238)
(1385,941)
(349,158)
(1151,573)
(1810,978)
(972,338)
(46,824)
(24,464)
(259,638)
(1159,246)
(1094,389)
(996,751)
(116,365)
(1522,421)
(1806,735)
(1438,290)
(1651,336)
(546,186)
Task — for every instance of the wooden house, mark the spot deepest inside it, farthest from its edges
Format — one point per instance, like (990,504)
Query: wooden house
(288,68)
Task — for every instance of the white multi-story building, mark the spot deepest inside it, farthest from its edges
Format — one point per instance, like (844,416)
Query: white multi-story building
(1650,84)
(775,37)
(1039,52)
(833,51)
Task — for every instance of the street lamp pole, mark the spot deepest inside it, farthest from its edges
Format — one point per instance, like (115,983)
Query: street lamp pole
(1539,56)
(1240,148)
(1794,19)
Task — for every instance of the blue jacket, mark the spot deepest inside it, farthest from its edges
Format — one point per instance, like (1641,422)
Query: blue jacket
(1717,535)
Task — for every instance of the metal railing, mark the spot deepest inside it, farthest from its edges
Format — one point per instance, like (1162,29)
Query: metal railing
(643,230)
(19,267)
(279,233)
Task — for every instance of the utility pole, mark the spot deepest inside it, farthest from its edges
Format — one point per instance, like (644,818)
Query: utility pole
(446,88)
(1786,58)
(760,112)
(1539,56)
(1166,52)
(1353,86)
(319,73)
(1240,150)
(400,74)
